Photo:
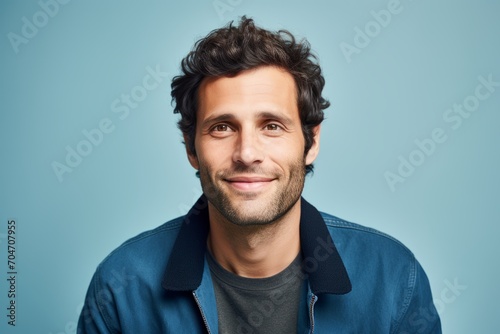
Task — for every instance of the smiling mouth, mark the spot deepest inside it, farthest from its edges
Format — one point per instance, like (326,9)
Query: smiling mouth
(249,183)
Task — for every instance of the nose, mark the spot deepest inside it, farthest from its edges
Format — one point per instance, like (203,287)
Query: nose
(248,150)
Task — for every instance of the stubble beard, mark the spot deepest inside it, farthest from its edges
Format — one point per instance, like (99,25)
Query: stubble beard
(281,202)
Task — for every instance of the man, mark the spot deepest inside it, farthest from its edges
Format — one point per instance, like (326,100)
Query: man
(252,256)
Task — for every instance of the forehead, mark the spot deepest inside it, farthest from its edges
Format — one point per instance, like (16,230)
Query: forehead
(264,88)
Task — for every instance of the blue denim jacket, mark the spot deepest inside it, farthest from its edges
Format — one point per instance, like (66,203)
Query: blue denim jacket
(358,280)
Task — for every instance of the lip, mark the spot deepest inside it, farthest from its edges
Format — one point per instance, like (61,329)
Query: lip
(249,183)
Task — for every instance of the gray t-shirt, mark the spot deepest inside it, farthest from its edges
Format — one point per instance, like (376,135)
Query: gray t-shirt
(257,305)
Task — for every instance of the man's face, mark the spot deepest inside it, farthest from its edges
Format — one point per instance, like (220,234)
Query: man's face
(250,146)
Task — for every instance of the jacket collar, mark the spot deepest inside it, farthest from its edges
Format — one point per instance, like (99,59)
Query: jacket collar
(321,261)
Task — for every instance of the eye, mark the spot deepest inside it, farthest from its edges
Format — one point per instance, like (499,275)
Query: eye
(272,127)
(220,128)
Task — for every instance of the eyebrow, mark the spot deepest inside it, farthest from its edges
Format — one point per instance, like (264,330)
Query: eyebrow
(287,121)
(216,119)
(277,116)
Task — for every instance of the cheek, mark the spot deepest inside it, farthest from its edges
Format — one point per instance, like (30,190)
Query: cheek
(285,156)
(212,155)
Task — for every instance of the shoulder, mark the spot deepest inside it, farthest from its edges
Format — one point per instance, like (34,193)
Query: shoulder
(384,273)
(147,242)
(148,250)
(365,250)
(348,234)
(129,274)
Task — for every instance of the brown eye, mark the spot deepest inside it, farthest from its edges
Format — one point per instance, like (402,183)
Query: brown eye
(272,127)
(221,130)
(221,127)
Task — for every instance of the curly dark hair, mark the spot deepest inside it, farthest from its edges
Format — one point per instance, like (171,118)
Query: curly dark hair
(228,51)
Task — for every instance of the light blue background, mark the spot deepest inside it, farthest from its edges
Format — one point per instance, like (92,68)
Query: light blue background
(393,92)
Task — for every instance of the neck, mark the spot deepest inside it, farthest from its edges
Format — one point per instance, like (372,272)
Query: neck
(255,251)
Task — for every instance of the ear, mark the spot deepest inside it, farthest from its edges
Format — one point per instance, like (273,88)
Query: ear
(193,159)
(314,150)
